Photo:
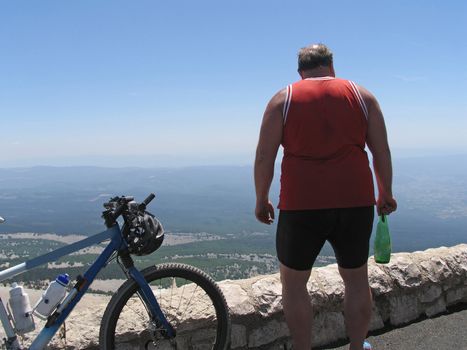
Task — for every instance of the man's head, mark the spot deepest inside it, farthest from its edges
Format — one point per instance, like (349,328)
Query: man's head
(315,59)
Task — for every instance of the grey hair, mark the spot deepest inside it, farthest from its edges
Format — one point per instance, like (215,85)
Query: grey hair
(313,56)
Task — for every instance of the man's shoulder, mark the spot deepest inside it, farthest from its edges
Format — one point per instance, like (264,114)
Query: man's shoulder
(277,101)
(368,97)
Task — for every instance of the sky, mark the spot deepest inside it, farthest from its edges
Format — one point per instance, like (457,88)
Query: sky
(186,82)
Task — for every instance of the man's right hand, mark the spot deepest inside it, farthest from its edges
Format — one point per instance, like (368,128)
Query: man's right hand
(265,212)
(385,204)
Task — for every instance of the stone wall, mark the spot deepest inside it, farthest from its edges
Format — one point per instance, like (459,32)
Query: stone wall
(410,286)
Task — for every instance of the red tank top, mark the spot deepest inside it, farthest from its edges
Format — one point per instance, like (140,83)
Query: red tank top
(325,164)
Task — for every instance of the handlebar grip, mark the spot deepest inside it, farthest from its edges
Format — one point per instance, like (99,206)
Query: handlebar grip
(118,211)
(149,199)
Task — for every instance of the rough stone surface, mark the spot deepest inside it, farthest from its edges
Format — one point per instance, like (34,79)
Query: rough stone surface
(270,331)
(327,326)
(430,294)
(240,303)
(456,295)
(381,282)
(238,338)
(405,272)
(267,295)
(436,308)
(410,286)
(404,308)
(376,321)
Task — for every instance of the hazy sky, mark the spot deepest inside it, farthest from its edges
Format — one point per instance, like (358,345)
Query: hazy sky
(80,80)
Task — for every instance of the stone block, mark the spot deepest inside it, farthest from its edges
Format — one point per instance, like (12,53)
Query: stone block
(456,295)
(319,300)
(403,309)
(203,335)
(455,258)
(436,308)
(430,294)
(376,321)
(380,281)
(383,305)
(268,334)
(459,253)
(328,327)
(404,271)
(238,300)
(331,285)
(267,295)
(280,346)
(435,269)
(238,336)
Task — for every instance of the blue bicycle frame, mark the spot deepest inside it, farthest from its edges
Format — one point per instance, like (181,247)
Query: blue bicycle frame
(117,243)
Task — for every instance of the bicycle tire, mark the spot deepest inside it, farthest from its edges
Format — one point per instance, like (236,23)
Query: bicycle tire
(126,295)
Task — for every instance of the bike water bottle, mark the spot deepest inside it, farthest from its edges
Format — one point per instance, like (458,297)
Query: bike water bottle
(21,310)
(52,296)
(382,243)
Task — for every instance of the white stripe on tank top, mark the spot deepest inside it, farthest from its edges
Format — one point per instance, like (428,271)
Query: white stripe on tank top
(359,98)
(288,99)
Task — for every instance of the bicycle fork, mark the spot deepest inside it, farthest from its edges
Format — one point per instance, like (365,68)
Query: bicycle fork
(147,296)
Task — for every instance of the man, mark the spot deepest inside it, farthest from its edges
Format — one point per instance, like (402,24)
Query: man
(327,192)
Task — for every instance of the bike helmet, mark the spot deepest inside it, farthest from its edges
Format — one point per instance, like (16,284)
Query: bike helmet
(144,234)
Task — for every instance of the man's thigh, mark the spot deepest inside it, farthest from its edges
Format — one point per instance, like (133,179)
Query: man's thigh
(301,235)
(350,238)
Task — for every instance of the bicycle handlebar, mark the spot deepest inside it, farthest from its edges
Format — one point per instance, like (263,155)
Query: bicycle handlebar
(149,199)
(117,212)
(117,206)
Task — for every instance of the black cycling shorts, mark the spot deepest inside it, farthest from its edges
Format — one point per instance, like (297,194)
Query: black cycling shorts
(302,233)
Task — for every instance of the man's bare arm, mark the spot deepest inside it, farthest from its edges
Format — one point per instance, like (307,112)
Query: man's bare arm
(270,138)
(377,142)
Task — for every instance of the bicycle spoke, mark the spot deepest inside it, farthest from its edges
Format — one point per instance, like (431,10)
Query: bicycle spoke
(181,297)
(138,312)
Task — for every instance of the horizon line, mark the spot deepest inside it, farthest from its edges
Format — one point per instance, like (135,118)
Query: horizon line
(170,162)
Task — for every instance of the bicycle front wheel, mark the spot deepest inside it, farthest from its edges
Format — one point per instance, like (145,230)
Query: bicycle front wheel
(190,300)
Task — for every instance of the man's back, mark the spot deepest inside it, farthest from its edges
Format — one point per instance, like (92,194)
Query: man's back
(324,164)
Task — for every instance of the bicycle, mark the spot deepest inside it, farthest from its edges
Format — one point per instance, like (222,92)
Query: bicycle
(157,301)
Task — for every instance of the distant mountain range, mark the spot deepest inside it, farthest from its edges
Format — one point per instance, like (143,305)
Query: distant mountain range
(431,191)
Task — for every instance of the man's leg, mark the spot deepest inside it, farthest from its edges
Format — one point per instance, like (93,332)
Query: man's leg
(297,306)
(357,304)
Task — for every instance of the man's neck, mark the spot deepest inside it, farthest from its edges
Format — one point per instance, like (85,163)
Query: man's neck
(317,73)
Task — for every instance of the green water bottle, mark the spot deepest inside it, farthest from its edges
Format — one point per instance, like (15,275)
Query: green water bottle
(382,241)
